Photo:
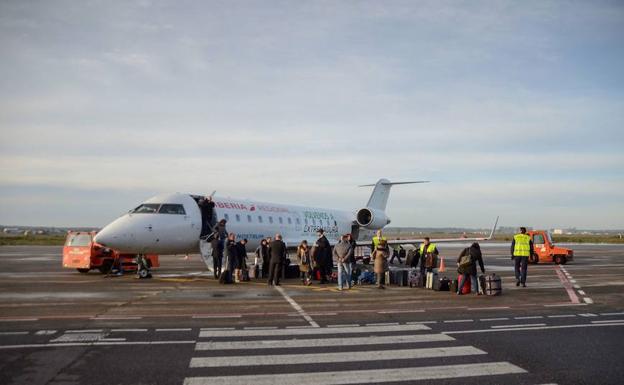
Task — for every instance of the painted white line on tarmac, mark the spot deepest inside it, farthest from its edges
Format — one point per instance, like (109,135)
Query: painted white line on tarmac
(576,286)
(562,316)
(319,342)
(581,292)
(299,327)
(588,300)
(99,343)
(516,326)
(291,359)
(19,319)
(13,333)
(383,324)
(203,316)
(530,317)
(531,328)
(208,329)
(45,332)
(260,327)
(113,318)
(343,326)
(371,376)
(421,322)
(565,304)
(400,311)
(588,315)
(312,331)
(457,321)
(494,319)
(85,331)
(607,314)
(174,330)
(490,308)
(607,321)
(128,330)
(297,307)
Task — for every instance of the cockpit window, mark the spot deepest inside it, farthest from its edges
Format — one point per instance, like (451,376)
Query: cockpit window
(147,208)
(79,240)
(169,208)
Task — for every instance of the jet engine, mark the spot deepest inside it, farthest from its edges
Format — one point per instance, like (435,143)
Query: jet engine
(371,218)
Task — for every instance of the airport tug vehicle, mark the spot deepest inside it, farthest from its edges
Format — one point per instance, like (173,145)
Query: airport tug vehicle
(546,251)
(82,253)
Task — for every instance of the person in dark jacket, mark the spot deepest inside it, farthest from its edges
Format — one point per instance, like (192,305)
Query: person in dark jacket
(470,271)
(231,256)
(278,258)
(206,207)
(262,254)
(241,254)
(217,255)
(324,256)
(428,256)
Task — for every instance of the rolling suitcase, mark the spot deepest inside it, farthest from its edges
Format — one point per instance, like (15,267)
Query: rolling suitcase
(415,279)
(481,283)
(442,284)
(493,285)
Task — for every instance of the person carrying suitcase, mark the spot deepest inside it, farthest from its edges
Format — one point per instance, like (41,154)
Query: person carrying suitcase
(467,267)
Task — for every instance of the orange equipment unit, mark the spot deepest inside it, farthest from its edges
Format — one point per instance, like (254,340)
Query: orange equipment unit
(546,251)
(82,254)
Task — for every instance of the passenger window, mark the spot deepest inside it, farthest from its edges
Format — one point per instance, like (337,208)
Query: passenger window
(259,219)
(289,221)
(270,219)
(538,239)
(249,218)
(226,217)
(146,208)
(169,208)
(237,218)
(281,221)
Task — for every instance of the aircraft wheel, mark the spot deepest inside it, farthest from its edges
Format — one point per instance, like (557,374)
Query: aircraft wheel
(560,260)
(83,271)
(106,267)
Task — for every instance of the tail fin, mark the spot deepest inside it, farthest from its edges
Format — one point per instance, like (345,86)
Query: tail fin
(381,192)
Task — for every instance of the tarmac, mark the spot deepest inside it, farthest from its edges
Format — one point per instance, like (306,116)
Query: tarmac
(58,326)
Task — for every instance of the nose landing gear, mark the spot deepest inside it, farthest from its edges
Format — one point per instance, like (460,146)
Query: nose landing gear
(143,267)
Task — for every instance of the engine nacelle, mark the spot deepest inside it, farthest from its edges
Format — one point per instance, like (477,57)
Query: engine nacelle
(371,218)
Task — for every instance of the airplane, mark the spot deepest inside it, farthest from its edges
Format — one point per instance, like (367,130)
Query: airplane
(172,223)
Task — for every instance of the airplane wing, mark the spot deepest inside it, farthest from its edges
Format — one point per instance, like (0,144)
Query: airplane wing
(441,240)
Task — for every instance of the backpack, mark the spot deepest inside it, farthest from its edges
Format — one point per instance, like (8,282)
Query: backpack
(465,262)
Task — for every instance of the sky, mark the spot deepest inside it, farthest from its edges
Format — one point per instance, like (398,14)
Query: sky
(509,108)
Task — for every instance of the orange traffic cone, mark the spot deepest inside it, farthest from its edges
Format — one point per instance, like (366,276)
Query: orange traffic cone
(442,268)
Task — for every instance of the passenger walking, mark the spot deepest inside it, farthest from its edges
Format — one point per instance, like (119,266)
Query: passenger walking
(304,259)
(206,207)
(324,256)
(396,253)
(467,267)
(231,257)
(241,257)
(262,257)
(521,249)
(341,254)
(278,257)
(428,256)
(380,260)
(217,254)
(265,272)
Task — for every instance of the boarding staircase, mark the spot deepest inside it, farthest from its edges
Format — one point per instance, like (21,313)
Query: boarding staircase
(205,251)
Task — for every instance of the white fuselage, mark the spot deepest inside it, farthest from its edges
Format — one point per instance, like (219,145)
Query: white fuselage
(174,226)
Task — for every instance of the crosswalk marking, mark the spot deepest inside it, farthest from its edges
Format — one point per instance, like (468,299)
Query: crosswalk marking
(268,353)
(319,342)
(291,359)
(312,331)
(365,376)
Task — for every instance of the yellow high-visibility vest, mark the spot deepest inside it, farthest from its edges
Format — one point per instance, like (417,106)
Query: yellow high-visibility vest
(430,248)
(376,240)
(522,248)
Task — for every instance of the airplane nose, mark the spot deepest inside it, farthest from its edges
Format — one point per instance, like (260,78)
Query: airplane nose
(116,235)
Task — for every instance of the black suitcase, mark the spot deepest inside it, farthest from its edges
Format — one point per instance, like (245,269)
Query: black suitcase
(292,271)
(442,284)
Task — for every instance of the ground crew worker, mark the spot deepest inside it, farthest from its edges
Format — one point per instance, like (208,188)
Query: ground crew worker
(376,239)
(521,250)
(428,256)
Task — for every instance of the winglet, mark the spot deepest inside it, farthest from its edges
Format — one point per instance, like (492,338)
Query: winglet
(493,229)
